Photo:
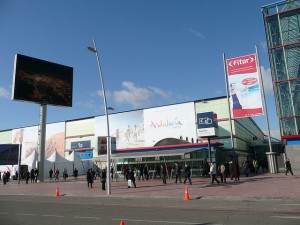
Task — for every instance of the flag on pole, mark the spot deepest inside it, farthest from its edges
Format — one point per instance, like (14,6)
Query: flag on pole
(244,86)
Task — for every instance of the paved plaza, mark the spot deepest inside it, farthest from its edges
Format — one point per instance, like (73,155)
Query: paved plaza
(261,186)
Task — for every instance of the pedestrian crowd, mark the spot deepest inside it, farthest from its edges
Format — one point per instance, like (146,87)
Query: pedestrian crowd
(140,172)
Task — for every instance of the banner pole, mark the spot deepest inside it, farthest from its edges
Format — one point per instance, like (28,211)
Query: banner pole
(228,102)
(271,154)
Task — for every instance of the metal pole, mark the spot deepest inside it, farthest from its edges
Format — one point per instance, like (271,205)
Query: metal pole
(107,121)
(209,150)
(273,167)
(19,161)
(228,102)
(42,141)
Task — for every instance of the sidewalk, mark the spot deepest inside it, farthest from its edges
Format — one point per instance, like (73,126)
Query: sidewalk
(260,186)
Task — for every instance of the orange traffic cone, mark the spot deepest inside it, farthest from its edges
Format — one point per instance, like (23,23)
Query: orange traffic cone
(122,222)
(186,196)
(57,192)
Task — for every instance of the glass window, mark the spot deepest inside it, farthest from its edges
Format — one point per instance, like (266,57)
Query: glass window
(293,59)
(288,126)
(284,99)
(273,31)
(289,23)
(279,64)
(295,87)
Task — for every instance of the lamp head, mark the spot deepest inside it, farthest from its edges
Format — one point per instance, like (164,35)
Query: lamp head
(92,49)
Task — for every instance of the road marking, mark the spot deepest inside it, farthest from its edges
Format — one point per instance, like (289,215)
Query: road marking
(4,213)
(161,221)
(53,216)
(25,214)
(290,204)
(87,217)
(288,217)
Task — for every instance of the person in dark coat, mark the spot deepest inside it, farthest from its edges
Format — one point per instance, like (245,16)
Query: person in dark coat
(132,177)
(4,177)
(32,175)
(27,176)
(235,171)
(146,173)
(103,178)
(50,174)
(89,178)
(164,174)
(178,173)
(187,174)
(288,167)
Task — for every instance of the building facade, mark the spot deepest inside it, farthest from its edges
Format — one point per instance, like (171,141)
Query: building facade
(165,134)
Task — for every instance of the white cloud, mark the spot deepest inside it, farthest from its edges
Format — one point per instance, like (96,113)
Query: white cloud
(195,33)
(4,93)
(140,96)
(264,46)
(267,78)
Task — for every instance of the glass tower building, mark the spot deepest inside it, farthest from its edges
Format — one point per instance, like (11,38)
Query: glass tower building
(282,26)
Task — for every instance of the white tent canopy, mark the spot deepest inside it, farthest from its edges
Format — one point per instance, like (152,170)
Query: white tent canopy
(60,163)
(81,165)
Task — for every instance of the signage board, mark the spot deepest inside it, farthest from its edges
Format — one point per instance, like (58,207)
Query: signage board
(207,125)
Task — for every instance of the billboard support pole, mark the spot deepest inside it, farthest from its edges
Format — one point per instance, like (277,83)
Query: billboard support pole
(42,141)
(270,155)
(19,161)
(229,108)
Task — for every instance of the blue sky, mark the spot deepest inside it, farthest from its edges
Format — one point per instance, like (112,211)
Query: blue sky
(152,53)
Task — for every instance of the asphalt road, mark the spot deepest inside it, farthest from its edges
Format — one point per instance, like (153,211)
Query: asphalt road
(65,210)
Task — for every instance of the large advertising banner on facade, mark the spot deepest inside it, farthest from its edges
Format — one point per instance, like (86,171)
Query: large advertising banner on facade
(244,86)
(127,128)
(173,121)
(29,140)
(55,139)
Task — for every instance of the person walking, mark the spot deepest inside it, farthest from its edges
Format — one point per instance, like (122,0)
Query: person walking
(75,173)
(36,175)
(89,178)
(213,173)
(255,166)
(103,178)
(246,168)
(177,173)
(32,175)
(146,173)
(65,174)
(288,167)
(132,178)
(27,176)
(187,174)
(50,173)
(235,171)
(223,173)
(4,177)
(164,174)
(56,174)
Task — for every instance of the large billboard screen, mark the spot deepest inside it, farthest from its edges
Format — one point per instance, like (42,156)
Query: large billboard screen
(9,154)
(244,86)
(40,81)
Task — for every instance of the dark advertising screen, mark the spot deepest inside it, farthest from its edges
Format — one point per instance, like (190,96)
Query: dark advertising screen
(40,81)
(9,154)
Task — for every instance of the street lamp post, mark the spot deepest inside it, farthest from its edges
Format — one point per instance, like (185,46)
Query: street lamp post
(94,49)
